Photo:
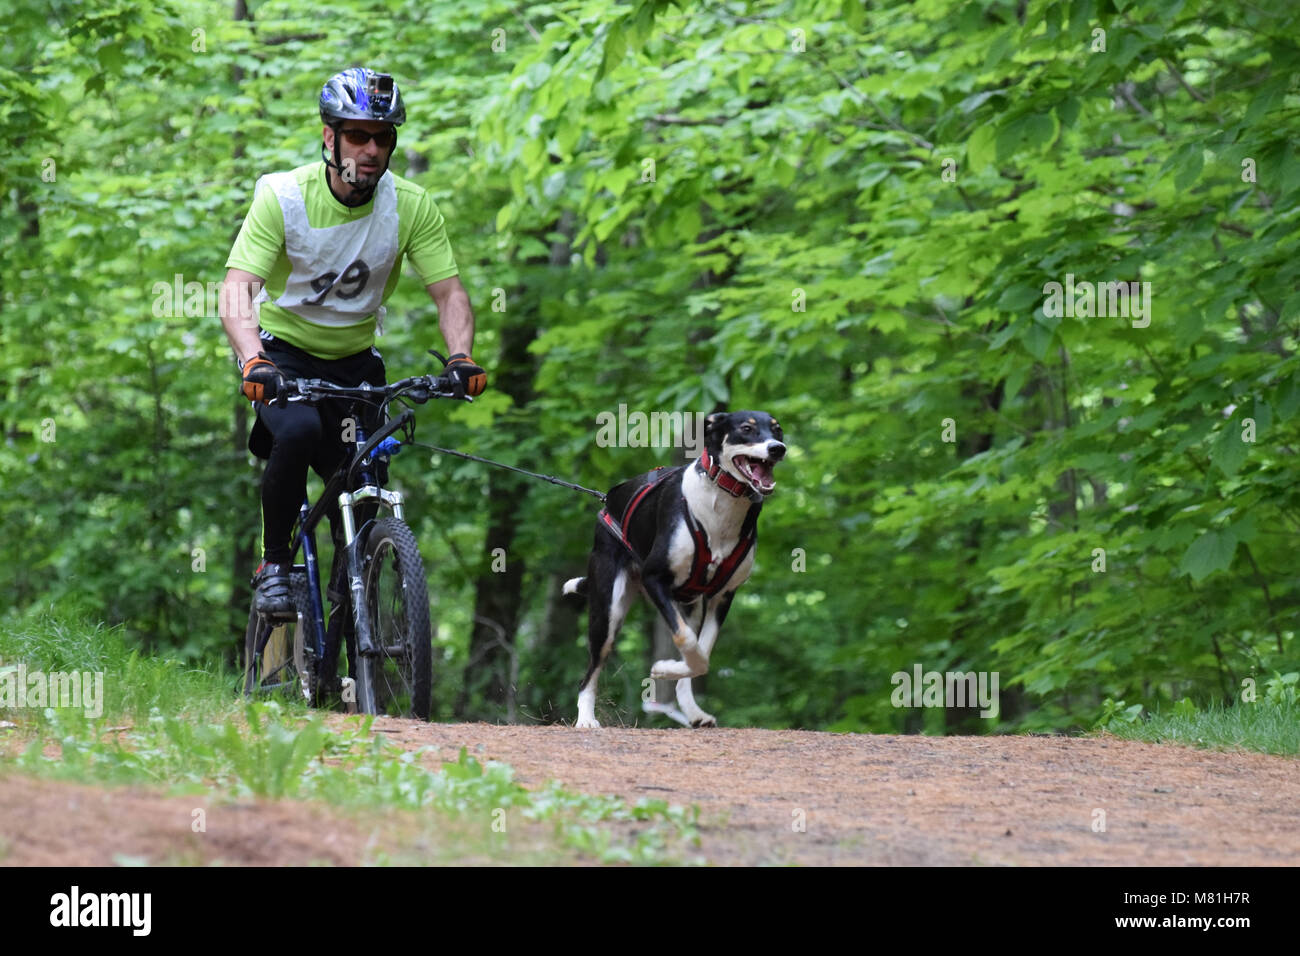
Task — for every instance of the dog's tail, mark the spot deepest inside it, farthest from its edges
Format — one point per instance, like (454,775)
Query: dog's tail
(576,586)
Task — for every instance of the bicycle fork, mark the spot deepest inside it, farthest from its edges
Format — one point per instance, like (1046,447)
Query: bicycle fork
(352,548)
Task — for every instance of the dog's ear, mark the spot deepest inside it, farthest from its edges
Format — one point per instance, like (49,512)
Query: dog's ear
(713,423)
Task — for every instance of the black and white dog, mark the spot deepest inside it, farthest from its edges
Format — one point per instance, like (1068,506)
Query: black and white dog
(684,537)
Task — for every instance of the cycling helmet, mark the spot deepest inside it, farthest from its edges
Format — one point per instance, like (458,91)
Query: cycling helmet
(361,94)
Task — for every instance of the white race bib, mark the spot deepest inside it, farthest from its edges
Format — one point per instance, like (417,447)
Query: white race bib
(337,273)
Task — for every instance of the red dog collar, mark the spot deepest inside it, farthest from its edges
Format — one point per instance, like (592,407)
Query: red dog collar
(725,481)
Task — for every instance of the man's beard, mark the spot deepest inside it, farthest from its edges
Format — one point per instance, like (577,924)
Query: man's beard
(365,182)
(360,189)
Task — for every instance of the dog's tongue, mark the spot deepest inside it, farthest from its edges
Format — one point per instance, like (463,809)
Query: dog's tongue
(761,472)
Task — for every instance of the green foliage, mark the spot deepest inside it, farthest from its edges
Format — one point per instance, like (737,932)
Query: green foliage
(1281,689)
(847,217)
(134,683)
(1113,712)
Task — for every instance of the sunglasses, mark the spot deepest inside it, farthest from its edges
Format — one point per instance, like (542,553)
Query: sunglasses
(359,137)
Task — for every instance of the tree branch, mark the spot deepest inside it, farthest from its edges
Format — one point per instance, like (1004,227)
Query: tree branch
(1181,79)
(531,29)
(292,37)
(1268,598)
(668,119)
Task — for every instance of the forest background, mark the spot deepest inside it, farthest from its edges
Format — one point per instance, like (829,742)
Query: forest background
(849,215)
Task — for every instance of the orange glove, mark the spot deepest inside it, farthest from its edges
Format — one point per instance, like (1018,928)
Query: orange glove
(262,380)
(473,378)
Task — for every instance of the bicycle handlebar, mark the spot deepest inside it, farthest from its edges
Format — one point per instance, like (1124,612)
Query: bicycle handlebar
(419,389)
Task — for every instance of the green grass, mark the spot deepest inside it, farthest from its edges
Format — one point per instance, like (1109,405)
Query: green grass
(134,684)
(188,732)
(1268,725)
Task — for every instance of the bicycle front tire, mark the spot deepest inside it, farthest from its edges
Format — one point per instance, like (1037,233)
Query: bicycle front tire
(397,680)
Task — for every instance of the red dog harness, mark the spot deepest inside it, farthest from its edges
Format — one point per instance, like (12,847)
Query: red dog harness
(698,582)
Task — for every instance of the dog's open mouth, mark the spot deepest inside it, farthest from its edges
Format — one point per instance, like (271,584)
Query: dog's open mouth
(756,471)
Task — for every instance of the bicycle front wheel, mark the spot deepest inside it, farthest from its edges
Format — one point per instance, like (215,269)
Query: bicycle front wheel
(397,680)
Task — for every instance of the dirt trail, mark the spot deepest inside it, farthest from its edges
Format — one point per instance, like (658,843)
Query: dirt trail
(51,823)
(869,799)
(861,799)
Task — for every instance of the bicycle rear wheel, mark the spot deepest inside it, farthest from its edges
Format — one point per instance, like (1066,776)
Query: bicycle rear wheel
(286,664)
(398,679)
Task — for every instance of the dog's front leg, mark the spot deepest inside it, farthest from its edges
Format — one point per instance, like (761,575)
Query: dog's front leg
(693,663)
(713,618)
(691,710)
(714,614)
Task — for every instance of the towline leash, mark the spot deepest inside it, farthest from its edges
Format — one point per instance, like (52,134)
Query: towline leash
(488,461)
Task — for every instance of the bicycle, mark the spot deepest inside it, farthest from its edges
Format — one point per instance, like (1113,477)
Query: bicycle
(379,602)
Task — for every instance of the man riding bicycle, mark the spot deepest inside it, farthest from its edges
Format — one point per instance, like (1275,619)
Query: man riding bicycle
(318,254)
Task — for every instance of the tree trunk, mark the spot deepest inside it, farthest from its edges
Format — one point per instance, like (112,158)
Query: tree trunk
(559,651)
(496,606)
(498,594)
(969,443)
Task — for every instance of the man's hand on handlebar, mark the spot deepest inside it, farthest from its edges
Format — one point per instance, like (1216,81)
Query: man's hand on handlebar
(469,377)
(262,380)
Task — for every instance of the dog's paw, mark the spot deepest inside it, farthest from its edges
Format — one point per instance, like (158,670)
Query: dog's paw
(670,670)
(587,723)
(704,720)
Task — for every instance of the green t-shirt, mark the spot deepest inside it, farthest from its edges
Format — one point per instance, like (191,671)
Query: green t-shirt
(260,249)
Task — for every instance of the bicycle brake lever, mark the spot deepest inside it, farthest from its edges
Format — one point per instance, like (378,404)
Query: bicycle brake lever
(452,386)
